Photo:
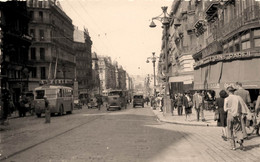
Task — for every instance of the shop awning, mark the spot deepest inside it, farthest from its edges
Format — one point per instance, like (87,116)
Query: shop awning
(186,79)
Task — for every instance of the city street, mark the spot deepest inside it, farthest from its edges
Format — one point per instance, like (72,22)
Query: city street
(134,134)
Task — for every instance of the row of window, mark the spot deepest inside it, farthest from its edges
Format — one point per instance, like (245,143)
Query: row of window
(16,74)
(33,53)
(39,16)
(41,34)
(249,39)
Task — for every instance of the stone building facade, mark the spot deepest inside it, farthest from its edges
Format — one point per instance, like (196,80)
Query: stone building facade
(82,48)
(52,47)
(15,42)
(181,45)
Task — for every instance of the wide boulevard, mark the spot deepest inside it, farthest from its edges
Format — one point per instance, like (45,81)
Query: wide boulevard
(132,134)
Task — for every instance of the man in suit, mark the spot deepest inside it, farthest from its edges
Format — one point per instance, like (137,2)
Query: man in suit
(197,104)
(244,94)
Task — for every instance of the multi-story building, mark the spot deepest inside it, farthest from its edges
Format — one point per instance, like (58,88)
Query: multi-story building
(52,47)
(228,36)
(121,78)
(181,45)
(96,86)
(107,74)
(16,67)
(82,49)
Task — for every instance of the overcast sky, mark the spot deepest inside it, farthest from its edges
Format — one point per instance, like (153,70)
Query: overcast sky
(120,29)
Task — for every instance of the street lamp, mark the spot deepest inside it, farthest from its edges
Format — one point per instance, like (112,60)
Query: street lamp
(165,19)
(153,59)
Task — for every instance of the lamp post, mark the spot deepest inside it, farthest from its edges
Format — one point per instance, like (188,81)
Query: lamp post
(165,19)
(153,59)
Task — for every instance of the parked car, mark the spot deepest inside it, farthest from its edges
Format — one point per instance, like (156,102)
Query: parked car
(77,104)
(138,100)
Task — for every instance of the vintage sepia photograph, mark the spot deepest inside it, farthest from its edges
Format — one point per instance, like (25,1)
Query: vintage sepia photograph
(129,80)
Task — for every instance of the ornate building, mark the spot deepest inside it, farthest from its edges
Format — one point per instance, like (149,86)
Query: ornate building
(181,44)
(52,46)
(228,35)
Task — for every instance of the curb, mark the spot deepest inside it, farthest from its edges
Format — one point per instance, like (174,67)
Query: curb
(180,123)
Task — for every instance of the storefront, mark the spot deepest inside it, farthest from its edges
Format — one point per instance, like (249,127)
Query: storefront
(218,72)
(181,84)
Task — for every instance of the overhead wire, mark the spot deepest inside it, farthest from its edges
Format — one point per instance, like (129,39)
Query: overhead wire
(102,31)
(78,15)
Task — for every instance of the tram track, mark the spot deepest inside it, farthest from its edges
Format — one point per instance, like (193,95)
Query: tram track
(3,158)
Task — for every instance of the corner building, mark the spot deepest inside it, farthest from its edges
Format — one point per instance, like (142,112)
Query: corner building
(52,46)
(228,36)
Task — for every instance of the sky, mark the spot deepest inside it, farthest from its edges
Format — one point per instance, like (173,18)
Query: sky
(120,29)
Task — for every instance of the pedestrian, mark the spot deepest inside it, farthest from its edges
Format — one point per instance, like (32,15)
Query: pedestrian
(198,105)
(22,105)
(147,100)
(47,110)
(187,102)
(99,102)
(257,115)
(179,104)
(235,107)
(222,120)
(162,103)
(6,109)
(244,94)
(173,104)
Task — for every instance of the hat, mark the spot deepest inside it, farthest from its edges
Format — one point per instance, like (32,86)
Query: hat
(223,94)
(231,88)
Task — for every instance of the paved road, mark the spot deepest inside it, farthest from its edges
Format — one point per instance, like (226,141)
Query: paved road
(133,134)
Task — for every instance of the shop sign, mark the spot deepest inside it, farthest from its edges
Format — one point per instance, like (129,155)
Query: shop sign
(225,56)
(56,81)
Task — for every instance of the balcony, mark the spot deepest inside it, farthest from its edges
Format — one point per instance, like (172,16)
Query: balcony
(249,18)
(199,25)
(212,11)
(213,48)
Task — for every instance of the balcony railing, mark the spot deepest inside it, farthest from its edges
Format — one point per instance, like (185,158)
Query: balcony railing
(250,15)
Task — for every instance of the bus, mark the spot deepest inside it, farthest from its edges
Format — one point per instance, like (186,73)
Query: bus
(60,99)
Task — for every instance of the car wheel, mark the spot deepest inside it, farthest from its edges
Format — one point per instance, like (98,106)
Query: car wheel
(39,115)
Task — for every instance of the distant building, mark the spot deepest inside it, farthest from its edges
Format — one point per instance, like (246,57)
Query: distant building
(96,84)
(82,48)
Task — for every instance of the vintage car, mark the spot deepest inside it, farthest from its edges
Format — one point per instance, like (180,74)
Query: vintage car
(116,100)
(92,102)
(138,100)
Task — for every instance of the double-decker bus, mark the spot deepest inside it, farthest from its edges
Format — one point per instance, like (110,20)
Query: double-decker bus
(60,99)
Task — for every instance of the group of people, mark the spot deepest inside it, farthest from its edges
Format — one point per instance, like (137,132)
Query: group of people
(23,104)
(233,107)
(187,102)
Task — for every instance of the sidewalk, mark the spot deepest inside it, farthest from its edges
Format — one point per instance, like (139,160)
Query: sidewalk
(175,119)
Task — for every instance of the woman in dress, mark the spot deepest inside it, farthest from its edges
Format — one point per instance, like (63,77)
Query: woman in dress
(187,103)
(222,120)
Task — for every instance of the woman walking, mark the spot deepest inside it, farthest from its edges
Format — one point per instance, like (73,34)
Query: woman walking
(222,120)
(187,102)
